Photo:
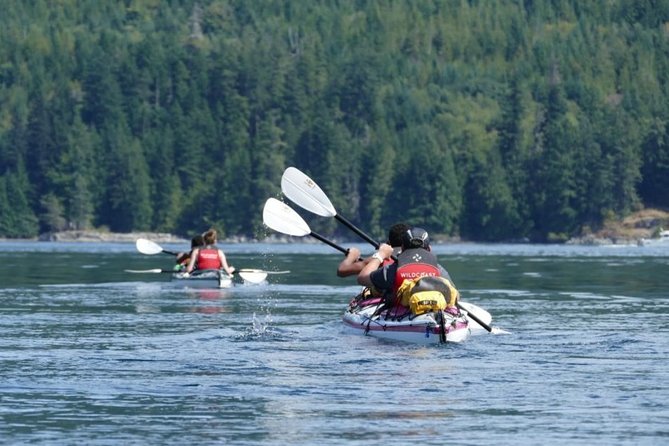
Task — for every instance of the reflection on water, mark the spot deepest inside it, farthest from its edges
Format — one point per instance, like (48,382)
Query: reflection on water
(208,301)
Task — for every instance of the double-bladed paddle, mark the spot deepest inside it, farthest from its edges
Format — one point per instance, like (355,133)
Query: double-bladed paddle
(304,192)
(280,217)
(250,276)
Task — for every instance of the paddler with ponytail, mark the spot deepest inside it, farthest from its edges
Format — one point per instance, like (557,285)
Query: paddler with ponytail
(209,256)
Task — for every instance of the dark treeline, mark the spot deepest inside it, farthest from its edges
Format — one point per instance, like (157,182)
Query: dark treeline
(491,120)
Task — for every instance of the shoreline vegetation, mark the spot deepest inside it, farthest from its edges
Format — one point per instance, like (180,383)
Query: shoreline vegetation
(523,126)
(633,230)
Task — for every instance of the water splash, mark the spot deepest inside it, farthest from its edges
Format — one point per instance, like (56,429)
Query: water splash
(500,331)
(260,329)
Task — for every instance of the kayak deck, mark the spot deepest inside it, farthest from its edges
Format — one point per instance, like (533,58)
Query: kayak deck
(203,279)
(371,318)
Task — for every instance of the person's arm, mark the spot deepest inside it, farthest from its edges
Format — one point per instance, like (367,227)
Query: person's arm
(193,257)
(182,257)
(351,264)
(384,252)
(224,262)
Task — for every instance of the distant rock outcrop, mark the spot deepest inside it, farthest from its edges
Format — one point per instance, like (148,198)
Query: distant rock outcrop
(110,237)
(635,229)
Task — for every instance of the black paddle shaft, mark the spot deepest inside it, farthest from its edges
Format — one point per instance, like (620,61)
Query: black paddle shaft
(328,242)
(351,226)
(355,229)
(476,319)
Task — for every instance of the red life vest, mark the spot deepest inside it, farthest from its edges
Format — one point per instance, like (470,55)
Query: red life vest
(414,263)
(208,259)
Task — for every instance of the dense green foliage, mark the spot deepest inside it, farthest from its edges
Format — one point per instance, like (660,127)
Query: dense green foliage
(491,120)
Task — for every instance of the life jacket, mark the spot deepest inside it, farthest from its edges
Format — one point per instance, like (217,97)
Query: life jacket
(390,260)
(415,263)
(208,258)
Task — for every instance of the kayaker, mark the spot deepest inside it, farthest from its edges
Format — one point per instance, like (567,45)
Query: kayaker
(209,256)
(183,258)
(414,261)
(352,264)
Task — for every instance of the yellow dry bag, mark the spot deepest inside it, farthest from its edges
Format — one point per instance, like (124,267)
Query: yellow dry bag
(429,293)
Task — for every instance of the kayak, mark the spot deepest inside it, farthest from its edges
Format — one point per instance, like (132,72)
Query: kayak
(212,278)
(368,316)
(203,279)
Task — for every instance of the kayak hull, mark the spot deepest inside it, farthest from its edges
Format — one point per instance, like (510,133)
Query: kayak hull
(398,324)
(204,279)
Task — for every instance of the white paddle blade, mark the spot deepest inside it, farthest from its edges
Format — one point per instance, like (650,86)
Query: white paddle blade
(148,247)
(249,270)
(479,312)
(253,277)
(303,191)
(282,218)
(142,271)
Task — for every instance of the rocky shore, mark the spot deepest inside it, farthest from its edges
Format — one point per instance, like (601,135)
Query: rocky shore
(109,237)
(130,237)
(637,229)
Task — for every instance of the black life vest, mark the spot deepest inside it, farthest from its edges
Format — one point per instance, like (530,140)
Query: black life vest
(414,263)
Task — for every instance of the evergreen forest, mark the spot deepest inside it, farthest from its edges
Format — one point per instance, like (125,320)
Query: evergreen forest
(490,120)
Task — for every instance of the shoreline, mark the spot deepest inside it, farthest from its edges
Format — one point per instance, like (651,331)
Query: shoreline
(92,236)
(100,236)
(641,228)
(108,237)
(158,237)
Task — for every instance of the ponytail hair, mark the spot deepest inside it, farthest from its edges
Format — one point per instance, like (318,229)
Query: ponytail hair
(210,237)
